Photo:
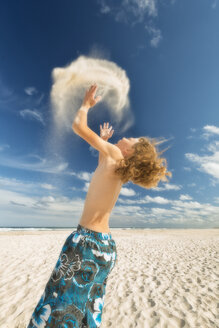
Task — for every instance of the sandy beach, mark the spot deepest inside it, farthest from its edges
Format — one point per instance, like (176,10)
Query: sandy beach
(163,278)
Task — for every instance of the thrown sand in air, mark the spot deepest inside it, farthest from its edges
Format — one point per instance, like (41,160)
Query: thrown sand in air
(71,82)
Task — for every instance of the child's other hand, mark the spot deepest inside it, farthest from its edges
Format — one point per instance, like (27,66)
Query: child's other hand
(105,132)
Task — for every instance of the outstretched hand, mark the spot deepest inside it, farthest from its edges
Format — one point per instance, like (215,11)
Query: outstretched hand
(106,132)
(89,100)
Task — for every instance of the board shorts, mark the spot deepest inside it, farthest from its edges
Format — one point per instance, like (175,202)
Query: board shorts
(74,294)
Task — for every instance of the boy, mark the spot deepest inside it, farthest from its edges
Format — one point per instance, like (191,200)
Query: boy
(74,294)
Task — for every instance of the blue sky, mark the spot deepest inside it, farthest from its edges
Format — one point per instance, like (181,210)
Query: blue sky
(169,50)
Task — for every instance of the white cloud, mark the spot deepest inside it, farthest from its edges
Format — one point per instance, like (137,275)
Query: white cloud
(127,192)
(161,211)
(187,168)
(18,205)
(27,203)
(209,163)
(36,163)
(214,4)
(191,184)
(47,186)
(128,201)
(39,100)
(86,176)
(211,168)
(86,186)
(210,130)
(120,10)
(94,152)
(193,130)
(30,91)
(10,97)
(132,12)
(185,197)
(33,114)
(167,186)
(187,205)
(156,35)
(104,7)
(27,187)
(140,7)
(124,210)
(40,165)
(158,200)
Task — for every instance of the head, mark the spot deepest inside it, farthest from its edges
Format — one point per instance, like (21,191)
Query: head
(141,163)
(126,146)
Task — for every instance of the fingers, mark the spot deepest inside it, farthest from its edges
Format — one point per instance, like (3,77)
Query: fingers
(106,126)
(93,88)
(91,91)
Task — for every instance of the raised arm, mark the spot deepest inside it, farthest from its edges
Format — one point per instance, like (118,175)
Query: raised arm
(80,127)
(105,133)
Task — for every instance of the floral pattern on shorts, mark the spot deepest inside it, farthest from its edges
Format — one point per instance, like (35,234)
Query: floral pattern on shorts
(74,294)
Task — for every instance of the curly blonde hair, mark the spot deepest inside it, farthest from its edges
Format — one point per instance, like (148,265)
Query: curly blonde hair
(143,167)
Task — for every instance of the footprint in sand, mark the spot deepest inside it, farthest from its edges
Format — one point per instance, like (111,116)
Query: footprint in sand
(152,303)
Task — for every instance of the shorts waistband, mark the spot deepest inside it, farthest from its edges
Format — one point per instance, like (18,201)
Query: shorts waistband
(99,235)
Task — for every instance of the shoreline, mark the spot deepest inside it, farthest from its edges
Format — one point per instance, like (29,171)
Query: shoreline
(113,230)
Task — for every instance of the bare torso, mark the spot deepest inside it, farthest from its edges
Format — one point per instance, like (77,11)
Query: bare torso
(102,195)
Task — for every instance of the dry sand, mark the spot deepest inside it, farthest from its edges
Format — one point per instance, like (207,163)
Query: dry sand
(163,278)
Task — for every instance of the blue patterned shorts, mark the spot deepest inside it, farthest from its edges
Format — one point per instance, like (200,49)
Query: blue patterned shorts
(74,294)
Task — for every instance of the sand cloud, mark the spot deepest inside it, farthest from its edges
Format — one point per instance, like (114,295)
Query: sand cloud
(71,82)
